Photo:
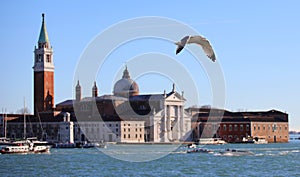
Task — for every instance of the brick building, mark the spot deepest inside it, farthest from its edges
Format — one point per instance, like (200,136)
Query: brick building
(234,126)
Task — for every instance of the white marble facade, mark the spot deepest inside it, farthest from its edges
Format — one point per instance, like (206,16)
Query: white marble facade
(172,123)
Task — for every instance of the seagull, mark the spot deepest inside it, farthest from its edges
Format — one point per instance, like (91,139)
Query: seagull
(203,42)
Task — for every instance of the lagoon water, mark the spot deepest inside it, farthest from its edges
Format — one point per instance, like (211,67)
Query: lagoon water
(282,159)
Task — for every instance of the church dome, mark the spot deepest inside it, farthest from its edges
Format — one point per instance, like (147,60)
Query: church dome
(126,87)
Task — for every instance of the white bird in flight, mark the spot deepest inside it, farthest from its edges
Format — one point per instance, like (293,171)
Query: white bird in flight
(203,42)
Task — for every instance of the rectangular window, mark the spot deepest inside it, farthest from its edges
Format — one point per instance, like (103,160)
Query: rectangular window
(224,127)
(128,135)
(124,136)
(241,127)
(48,59)
(247,127)
(230,127)
(235,127)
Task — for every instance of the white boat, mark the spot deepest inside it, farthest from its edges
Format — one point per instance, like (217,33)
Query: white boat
(24,148)
(255,140)
(41,149)
(260,141)
(211,141)
(37,142)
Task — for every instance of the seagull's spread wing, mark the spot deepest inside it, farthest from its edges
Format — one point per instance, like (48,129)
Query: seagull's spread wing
(205,45)
(179,48)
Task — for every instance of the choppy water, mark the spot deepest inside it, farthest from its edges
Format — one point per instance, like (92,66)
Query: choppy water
(268,160)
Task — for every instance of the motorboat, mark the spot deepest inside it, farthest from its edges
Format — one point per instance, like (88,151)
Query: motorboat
(64,145)
(191,146)
(235,152)
(255,140)
(41,149)
(200,150)
(260,141)
(100,145)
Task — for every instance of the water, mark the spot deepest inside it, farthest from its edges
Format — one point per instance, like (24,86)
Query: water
(269,160)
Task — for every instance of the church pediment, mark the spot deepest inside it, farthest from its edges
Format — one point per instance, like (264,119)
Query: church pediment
(174,96)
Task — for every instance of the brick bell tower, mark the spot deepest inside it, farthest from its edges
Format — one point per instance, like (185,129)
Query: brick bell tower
(43,70)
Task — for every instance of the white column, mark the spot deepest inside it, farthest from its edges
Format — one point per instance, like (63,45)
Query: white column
(165,124)
(178,122)
(169,124)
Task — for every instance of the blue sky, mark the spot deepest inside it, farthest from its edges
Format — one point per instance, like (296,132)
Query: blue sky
(256,43)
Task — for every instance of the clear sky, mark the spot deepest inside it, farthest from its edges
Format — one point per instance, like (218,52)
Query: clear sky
(256,42)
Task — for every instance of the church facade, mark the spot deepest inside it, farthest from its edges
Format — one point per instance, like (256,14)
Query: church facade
(129,116)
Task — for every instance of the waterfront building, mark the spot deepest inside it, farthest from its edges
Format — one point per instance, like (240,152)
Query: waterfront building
(233,127)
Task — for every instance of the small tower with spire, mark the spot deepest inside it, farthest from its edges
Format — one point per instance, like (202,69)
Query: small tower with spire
(78,92)
(95,90)
(126,73)
(43,69)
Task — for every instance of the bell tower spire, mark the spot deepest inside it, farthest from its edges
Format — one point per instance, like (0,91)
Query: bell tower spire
(43,70)
(78,92)
(44,39)
(95,90)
